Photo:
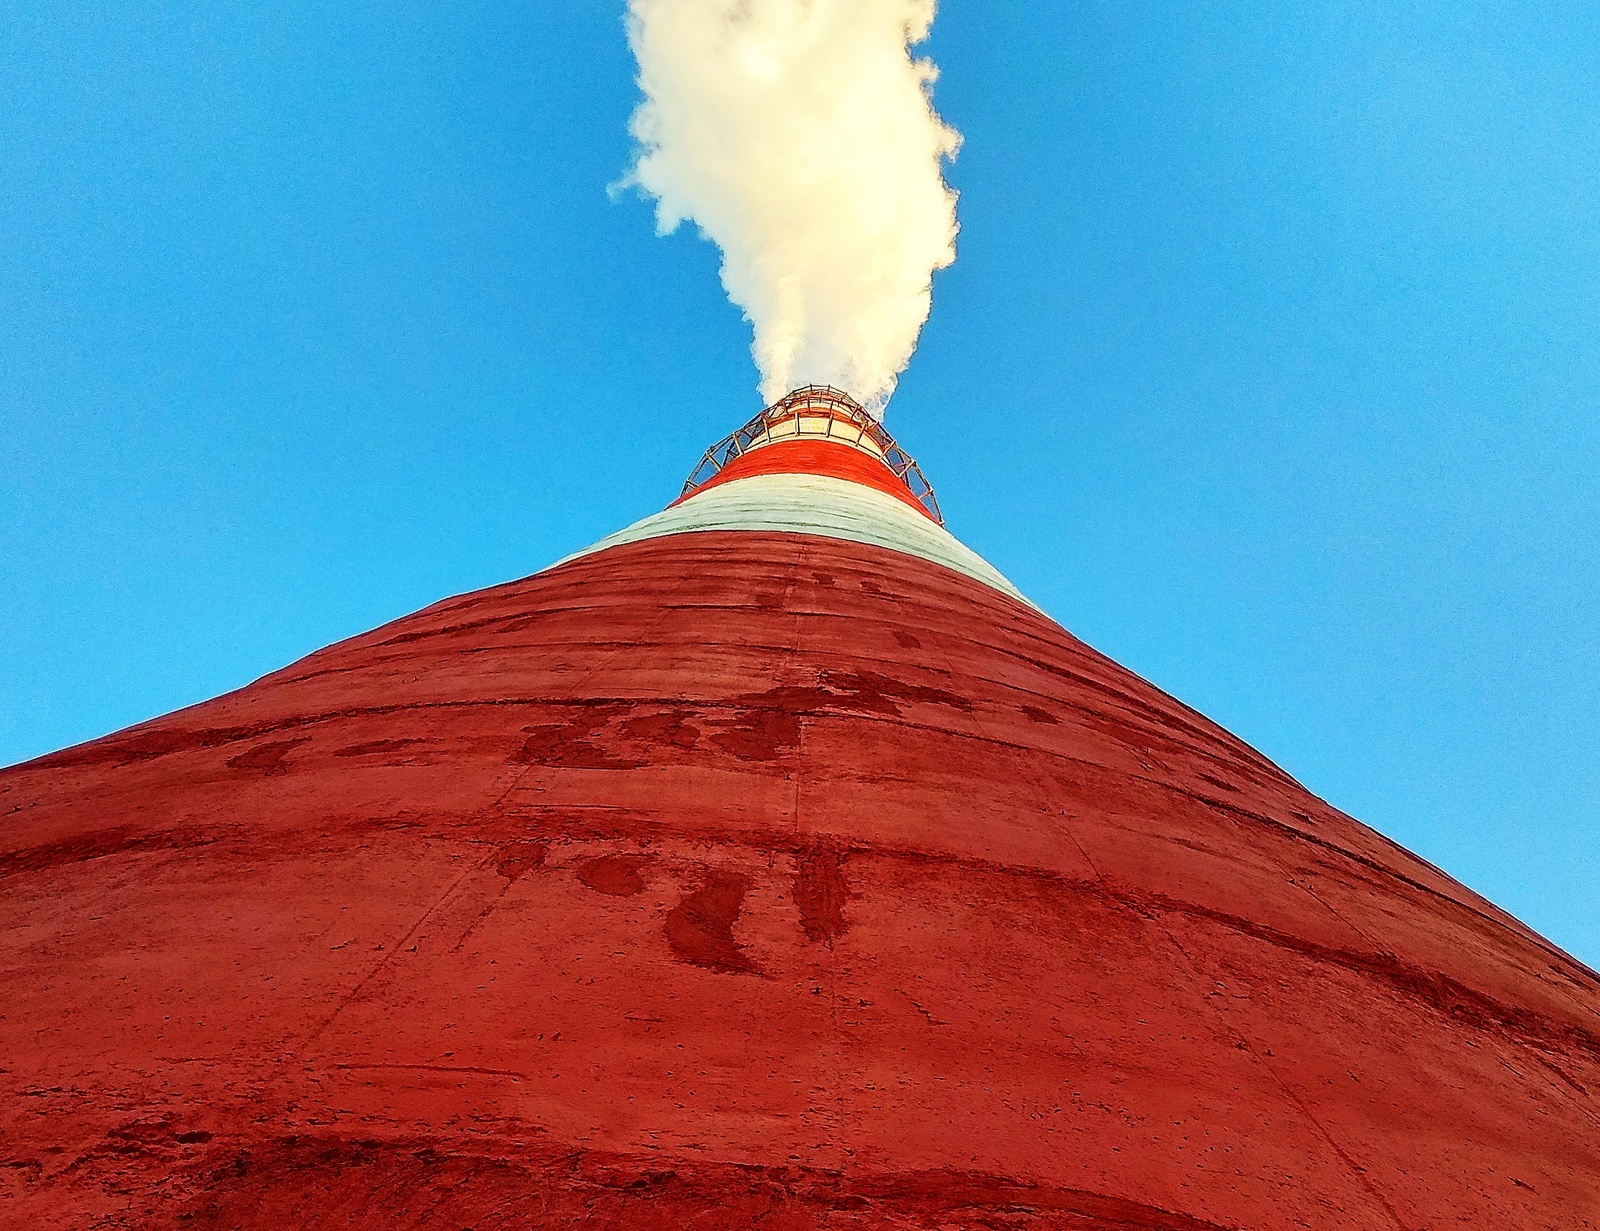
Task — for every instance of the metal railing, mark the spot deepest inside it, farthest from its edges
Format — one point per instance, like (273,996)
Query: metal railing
(841,420)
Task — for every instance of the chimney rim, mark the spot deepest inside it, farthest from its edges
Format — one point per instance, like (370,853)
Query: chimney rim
(836,407)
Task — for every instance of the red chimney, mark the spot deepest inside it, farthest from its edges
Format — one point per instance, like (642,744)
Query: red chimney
(771,864)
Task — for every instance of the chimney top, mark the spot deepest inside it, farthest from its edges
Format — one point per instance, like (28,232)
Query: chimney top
(820,413)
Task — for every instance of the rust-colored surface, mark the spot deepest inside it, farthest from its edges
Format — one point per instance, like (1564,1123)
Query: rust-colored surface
(832,461)
(741,880)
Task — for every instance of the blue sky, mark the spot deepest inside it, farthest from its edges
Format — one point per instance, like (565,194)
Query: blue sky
(1269,365)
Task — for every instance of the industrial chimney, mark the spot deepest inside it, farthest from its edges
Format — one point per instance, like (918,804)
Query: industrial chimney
(772,863)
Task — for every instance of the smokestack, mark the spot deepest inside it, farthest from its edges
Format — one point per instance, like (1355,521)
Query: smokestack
(771,862)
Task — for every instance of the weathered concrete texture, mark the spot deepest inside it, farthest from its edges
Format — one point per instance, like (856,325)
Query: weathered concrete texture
(734,879)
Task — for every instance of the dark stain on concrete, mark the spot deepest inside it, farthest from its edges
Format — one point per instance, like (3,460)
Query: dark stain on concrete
(671,728)
(617,875)
(377,747)
(101,844)
(820,893)
(760,734)
(851,692)
(882,694)
(700,927)
(573,744)
(319,1182)
(515,858)
(268,758)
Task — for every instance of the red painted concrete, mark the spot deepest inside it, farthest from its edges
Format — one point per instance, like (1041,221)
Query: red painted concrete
(813,457)
(740,880)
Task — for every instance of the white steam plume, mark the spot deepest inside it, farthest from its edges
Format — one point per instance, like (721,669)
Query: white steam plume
(800,136)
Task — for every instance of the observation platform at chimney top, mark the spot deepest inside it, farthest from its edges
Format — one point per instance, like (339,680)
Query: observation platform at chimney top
(816,415)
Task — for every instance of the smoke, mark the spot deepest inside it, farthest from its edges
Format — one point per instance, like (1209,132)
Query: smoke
(800,137)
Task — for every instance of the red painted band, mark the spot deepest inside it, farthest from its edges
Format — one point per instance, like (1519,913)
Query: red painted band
(829,459)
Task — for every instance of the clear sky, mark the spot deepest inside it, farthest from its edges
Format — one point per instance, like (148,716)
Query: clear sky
(1269,365)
